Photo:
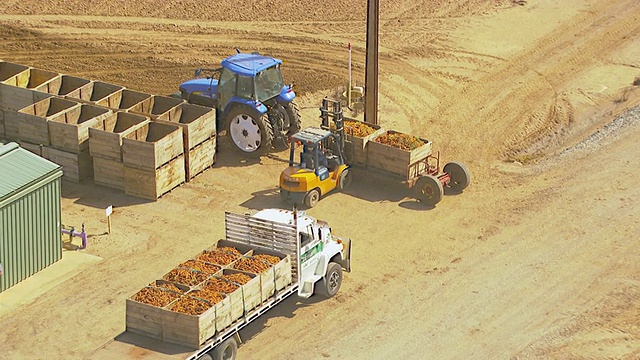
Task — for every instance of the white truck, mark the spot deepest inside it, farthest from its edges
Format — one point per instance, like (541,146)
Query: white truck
(317,260)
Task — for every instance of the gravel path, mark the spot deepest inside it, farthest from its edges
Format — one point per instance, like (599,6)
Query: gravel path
(608,133)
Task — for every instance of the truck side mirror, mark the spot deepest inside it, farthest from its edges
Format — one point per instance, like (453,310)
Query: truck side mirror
(198,72)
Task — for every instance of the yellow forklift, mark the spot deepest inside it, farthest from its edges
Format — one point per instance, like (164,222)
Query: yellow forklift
(319,169)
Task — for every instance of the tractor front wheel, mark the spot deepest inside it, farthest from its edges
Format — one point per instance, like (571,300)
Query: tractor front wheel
(249,131)
(429,190)
(460,177)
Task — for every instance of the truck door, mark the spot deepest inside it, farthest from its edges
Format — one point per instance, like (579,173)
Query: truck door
(310,251)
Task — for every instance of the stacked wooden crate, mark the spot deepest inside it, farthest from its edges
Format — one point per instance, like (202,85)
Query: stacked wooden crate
(198,125)
(105,147)
(69,137)
(200,276)
(29,77)
(154,163)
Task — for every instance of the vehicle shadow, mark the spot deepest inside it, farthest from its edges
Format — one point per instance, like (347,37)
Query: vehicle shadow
(268,198)
(286,308)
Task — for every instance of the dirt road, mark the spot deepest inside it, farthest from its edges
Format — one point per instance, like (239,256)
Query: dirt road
(536,260)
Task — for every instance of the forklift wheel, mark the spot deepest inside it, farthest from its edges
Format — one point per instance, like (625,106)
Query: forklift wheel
(312,198)
(344,180)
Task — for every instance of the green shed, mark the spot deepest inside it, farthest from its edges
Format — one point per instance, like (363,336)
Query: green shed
(30,237)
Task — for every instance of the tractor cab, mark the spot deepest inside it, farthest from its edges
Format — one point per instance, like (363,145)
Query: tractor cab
(318,168)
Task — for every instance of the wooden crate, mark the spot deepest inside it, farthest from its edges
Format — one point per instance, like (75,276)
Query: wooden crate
(14,74)
(34,148)
(108,172)
(15,98)
(77,88)
(107,143)
(390,159)
(144,319)
(276,277)
(76,167)
(1,124)
(247,297)
(191,330)
(135,101)
(356,147)
(200,158)
(105,94)
(44,81)
(163,105)
(198,123)
(71,132)
(160,143)
(152,184)
(32,121)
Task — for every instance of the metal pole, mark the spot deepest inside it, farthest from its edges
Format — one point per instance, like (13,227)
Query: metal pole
(349,86)
(371,86)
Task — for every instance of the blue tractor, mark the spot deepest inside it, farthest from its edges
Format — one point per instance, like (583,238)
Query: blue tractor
(252,102)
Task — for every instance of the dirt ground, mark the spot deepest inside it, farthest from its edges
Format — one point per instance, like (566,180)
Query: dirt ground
(537,259)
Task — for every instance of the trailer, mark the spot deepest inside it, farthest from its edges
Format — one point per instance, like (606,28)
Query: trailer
(312,261)
(330,153)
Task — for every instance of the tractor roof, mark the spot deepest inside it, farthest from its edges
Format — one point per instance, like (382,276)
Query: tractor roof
(249,64)
(312,135)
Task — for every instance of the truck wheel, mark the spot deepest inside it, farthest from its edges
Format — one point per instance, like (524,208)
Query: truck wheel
(429,190)
(332,280)
(225,351)
(249,131)
(460,177)
(312,198)
(345,180)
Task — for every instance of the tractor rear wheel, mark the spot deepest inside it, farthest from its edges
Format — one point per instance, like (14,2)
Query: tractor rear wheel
(429,190)
(460,177)
(344,180)
(289,123)
(249,131)
(312,198)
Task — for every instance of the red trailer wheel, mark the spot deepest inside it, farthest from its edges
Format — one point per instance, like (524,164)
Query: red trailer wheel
(429,190)
(460,177)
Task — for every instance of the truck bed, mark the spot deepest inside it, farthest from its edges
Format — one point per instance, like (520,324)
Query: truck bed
(129,345)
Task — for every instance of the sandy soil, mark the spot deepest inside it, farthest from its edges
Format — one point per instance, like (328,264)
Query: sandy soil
(537,259)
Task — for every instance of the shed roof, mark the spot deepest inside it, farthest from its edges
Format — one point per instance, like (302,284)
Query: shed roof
(19,168)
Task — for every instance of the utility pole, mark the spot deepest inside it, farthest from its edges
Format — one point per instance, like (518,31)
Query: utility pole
(371,71)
